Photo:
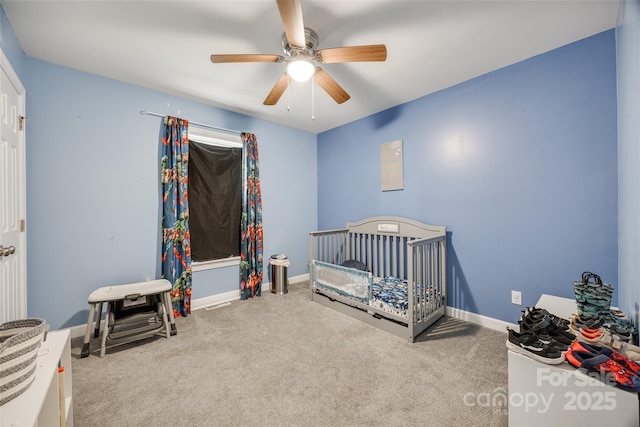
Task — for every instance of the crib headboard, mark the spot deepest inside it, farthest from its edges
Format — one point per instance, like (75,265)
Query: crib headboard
(396,226)
(382,243)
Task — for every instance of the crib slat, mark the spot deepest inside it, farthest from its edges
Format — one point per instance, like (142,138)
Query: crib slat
(419,284)
(416,277)
(368,251)
(352,242)
(429,282)
(403,254)
(374,260)
(352,254)
(326,254)
(386,256)
(392,256)
(417,280)
(325,250)
(435,266)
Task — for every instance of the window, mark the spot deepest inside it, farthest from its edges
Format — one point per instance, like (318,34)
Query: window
(215,191)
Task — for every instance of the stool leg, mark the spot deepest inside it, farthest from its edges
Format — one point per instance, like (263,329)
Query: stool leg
(165,317)
(103,347)
(167,298)
(87,338)
(96,333)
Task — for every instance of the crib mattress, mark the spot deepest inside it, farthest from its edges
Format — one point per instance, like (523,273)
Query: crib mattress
(387,294)
(390,295)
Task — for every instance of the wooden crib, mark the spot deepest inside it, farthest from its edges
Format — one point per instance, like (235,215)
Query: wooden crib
(399,283)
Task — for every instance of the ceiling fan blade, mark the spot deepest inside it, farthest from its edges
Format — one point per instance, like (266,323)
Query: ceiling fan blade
(240,57)
(374,52)
(277,91)
(326,82)
(291,14)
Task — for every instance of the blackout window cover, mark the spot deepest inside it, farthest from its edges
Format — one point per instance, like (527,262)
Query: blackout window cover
(215,186)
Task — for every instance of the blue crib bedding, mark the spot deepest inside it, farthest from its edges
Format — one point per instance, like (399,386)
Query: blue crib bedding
(387,294)
(390,295)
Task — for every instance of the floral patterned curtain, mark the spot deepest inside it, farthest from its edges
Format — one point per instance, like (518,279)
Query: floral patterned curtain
(176,240)
(251,222)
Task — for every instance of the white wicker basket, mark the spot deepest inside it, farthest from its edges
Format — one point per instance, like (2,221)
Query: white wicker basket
(19,345)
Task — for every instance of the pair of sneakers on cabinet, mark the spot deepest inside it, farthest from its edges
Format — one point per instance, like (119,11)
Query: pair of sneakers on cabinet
(543,336)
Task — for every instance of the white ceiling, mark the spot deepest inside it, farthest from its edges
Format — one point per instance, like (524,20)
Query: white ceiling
(165,45)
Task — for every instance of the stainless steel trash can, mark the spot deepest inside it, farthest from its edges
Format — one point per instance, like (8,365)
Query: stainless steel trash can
(279,280)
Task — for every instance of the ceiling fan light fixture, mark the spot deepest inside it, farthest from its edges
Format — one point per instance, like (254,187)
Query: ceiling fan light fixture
(300,68)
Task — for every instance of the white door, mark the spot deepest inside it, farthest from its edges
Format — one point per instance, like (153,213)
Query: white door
(13,286)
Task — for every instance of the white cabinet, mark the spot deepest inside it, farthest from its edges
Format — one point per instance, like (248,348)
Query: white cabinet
(560,395)
(48,401)
(546,395)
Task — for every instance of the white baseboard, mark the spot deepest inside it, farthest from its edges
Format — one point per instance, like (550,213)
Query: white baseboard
(299,279)
(479,319)
(200,303)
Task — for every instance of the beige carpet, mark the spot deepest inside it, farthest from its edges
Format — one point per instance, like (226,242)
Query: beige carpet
(283,360)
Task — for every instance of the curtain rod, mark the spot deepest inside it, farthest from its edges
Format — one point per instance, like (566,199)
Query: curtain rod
(235,132)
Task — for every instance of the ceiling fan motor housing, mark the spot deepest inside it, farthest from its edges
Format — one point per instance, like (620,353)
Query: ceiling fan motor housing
(311,39)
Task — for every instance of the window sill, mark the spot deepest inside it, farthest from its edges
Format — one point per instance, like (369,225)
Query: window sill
(216,263)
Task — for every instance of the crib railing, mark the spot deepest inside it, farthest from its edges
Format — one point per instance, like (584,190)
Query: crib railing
(384,254)
(419,261)
(328,246)
(427,276)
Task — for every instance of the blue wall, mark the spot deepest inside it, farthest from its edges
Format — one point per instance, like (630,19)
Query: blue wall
(628,48)
(519,164)
(93,202)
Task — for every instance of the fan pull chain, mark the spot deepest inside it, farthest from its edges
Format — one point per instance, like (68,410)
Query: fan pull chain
(288,90)
(313,111)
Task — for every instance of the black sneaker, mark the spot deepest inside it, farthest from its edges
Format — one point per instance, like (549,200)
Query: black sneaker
(560,343)
(548,333)
(533,314)
(530,345)
(537,313)
(543,323)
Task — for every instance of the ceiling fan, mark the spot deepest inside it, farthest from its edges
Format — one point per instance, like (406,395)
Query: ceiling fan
(300,54)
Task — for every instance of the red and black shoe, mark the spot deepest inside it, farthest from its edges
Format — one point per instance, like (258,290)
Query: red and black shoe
(620,358)
(608,370)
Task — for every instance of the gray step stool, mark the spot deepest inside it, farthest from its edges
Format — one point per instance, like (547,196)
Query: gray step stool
(134,311)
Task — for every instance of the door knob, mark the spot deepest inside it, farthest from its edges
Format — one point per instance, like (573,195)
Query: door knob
(7,251)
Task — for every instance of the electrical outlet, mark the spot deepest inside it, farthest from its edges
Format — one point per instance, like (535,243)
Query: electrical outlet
(516,297)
